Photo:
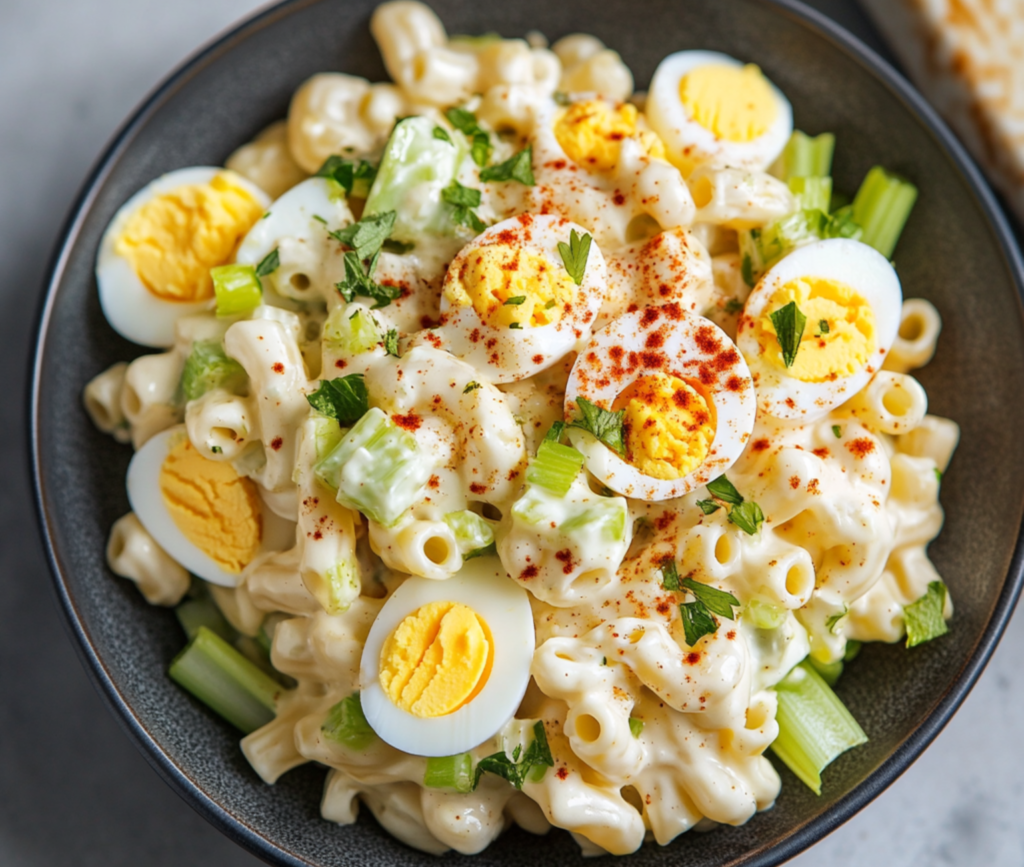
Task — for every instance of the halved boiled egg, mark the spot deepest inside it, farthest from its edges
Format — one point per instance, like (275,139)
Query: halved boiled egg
(848,298)
(708,107)
(686,397)
(155,258)
(447,663)
(509,306)
(201,512)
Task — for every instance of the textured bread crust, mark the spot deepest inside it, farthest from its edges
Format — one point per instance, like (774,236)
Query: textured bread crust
(967,57)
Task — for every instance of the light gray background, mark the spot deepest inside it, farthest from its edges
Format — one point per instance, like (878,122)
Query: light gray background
(73,789)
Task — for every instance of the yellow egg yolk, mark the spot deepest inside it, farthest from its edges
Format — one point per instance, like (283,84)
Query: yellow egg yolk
(668,426)
(173,240)
(591,134)
(437,659)
(507,285)
(839,335)
(736,103)
(217,509)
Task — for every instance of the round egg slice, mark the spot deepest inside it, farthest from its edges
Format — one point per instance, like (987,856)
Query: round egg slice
(686,398)
(509,305)
(850,298)
(708,107)
(201,512)
(447,663)
(297,226)
(155,257)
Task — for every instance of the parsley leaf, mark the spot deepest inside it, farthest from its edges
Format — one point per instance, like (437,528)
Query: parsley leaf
(471,386)
(717,601)
(554,433)
(515,300)
(725,491)
(789,325)
(391,343)
(697,621)
(399,248)
(747,516)
(938,474)
(747,270)
(670,575)
(924,617)
(822,327)
(344,399)
(347,173)
(605,425)
(368,235)
(832,621)
(838,431)
(466,123)
(574,255)
(516,770)
(743,513)
(734,305)
(708,507)
(561,98)
(635,726)
(269,263)
(516,168)
(515,326)
(463,200)
(441,133)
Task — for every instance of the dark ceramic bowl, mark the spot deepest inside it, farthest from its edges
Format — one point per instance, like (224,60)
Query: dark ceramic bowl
(956,251)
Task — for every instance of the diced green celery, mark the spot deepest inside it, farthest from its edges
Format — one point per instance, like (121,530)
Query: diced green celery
(801,227)
(473,534)
(881,208)
(237,289)
(842,225)
(450,772)
(814,725)
(208,367)
(377,468)
(203,611)
(636,726)
(555,467)
(352,331)
(414,170)
(764,615)
(852,649)
(807,157)
(812,193)
(345,724)
(924,618)
(337,587)
(224,680)
(829,671)
(327,433)
(591,521)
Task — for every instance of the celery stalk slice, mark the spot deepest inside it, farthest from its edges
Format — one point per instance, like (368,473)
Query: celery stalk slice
(225,681)
(814,725)
(346,724)
(881,208)
(807,157)
(450,772)
(195,613)
(237,288)
(555,467)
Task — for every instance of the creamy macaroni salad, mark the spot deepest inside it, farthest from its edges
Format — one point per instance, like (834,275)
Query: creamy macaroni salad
(523,448)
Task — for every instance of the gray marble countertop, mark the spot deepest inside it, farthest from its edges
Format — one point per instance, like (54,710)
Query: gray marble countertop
(73,788)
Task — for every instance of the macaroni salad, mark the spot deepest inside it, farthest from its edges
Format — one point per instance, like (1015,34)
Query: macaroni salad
(523,448)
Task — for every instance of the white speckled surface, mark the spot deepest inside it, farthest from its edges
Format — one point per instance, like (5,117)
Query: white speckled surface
(73,789)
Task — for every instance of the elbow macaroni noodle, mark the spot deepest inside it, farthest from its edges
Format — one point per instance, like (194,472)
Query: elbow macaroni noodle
(850,499)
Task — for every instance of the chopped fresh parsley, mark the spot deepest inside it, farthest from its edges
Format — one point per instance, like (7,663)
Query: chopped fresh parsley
(349,173)
(466,123)
(924,617)
(604,660)
(635,726)
(747,516)
(368,235)
(743,513)
(463,200)
(822,327)
(550,304)
(708,507)
(561,98)
(516,168)
(670,575)
(734,305)
(554,433)
(515,300)
(399,248)
(832,621)
(838,431)
(574,255)
(522,765)
(391,343)
(441,133)
(360,282)
(724,490)
(747,270)
(319,219)
(938,474)
(717,601)
(216,450)
(269,263)
(697,621)
(605,425)
(344,399)
(789,325)
(471,386)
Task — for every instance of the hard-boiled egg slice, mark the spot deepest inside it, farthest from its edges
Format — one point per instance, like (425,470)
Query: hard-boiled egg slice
(154,261)
(686,394)
(509,305)
(446,663)
(711,108)
(201,512)
(851,299)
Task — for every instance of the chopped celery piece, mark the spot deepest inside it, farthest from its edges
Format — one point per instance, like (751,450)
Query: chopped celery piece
(208,367)
(555,467)
(852,649)
(351,331)
(592,521)
(450,772)
(224,680)
(237,289)
(812,193)
(814,725)
(807,157)
(194,613)
(345,724)
(327,433)
(881,208)
(377,468)
(473,534)
(635,726)
(924,618)
(414,170)
(764,615)
(337,587)
(829,671)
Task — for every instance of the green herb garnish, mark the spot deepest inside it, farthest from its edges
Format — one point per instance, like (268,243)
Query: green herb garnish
(269,263)
(717,601)
(708,507)
(515,300)
(822,327)
(515,168)
(838,431)
(471,386)
(521,765)
(724,490)
(348,173)
(466,123)
(391,342)
(744,514)
(789,325)
(605,425)
(574,255)
(463,200)
(368,235)
(344,399)
(441,133)
(734,305)
(697,621)
(360,282)
(635,726)
(924,617)
(670,575)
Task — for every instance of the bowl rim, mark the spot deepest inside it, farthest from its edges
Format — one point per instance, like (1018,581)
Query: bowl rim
(768,855)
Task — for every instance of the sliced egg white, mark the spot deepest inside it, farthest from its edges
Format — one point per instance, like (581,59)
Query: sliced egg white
(662,340)
(148,504)
(482,585)
(857,265)
(131,309)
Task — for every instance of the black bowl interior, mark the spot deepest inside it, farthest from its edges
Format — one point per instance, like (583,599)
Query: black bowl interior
(956,252)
